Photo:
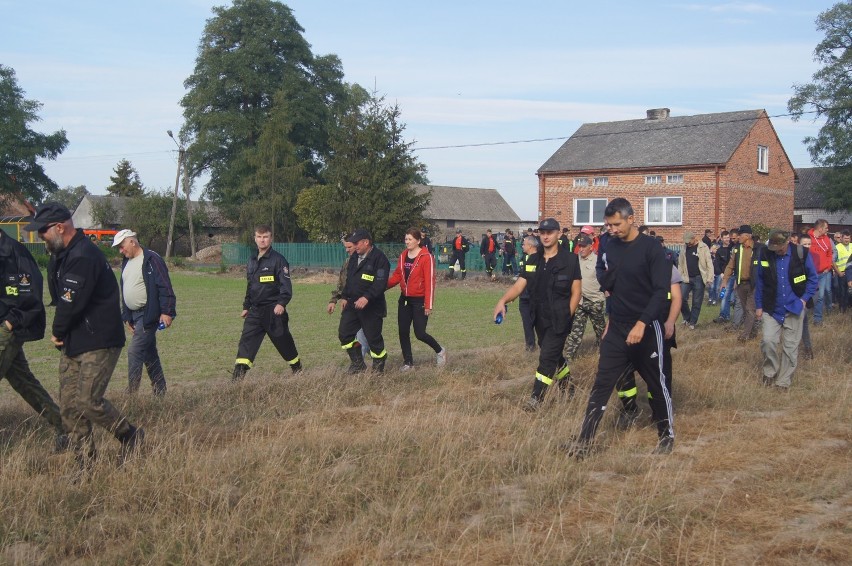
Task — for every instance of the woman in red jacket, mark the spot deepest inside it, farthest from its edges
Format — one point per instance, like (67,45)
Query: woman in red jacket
(415,274)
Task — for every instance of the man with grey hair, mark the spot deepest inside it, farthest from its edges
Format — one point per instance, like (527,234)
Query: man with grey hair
(147,305)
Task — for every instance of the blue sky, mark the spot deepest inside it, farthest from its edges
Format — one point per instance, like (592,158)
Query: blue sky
(111,74)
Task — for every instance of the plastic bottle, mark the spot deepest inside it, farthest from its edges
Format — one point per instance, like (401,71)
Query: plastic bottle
(722,292)
(161,326)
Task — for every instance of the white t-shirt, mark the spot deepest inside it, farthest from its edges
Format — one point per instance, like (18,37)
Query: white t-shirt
(133,290)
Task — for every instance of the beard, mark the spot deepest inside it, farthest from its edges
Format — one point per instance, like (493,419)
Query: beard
(54,244)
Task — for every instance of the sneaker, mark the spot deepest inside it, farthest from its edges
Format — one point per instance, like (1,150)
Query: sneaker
(692,327)
(406,367)
(665,445)
(532,405)
(627,419)
(441,358)
(720,320)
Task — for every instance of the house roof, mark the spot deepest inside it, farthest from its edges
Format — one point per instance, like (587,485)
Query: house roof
(805,194)
(466,204)
(119,204)
(674,141)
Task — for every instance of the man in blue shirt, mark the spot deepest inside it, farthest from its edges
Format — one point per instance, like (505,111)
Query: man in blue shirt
(786,281)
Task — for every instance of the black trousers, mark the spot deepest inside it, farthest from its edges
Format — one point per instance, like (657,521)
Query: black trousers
(616,356)
(490,262)
(370,319)
(458,255)
(412,311)
(525,309)
(260,322)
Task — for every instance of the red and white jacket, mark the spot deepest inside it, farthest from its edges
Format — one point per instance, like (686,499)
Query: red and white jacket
(421,281)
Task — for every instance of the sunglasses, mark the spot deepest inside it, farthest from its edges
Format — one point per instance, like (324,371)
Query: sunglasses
(44,229)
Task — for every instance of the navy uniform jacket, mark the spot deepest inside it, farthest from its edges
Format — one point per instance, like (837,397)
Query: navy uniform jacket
(268,281)
(20,291)
(369,279)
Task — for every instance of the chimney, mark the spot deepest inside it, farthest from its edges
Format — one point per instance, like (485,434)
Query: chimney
(658,113)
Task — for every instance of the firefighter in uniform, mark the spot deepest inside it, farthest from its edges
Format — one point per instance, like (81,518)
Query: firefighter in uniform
(268,291)
(363,302)
(460,246)
(488,249)
(555,287)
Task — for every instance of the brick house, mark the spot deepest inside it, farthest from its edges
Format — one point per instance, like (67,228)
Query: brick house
(680,173)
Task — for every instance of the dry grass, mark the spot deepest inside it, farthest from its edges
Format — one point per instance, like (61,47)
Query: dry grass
(443,467)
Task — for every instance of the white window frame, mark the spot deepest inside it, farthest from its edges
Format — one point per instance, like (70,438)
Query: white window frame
(762,159)
(602,202)
(665,221)
(675,179)
(601,181)
(653,179)
(581,181)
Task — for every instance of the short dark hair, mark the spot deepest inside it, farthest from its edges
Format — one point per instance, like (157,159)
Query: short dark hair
(724,233)
(643,229)
(845,232)
(263,229)
(620,206)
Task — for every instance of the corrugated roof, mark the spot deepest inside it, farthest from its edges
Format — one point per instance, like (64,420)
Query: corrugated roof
(467,204)
(674,141)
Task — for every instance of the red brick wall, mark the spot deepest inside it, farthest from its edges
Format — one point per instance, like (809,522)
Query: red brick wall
(744,195)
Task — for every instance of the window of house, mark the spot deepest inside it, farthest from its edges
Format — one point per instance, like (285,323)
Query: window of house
(581,182)
(589,210)
(762,159)
(664,210)
(653,179)
(601,181)
(674,179)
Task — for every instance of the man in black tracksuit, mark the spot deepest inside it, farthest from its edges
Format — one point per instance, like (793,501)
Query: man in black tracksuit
(22,320)
(638,279)
(555,288)
(363,302)
(87,329)
(268,291)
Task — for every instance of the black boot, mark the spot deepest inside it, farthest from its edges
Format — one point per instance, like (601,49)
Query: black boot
(296,367)
(357,364)
(131,441)
(379,364)
(239,372)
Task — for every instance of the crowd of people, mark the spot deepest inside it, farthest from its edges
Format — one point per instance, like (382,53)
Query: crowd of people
(623,280)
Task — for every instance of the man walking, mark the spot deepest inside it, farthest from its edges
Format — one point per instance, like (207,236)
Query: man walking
(696,268)
(822,254)
(553,279)
(742,267)
(638,279)
(23,320)
(843,250)
(147,304)
(488,250)
(87,329)
(459,246)
(363,302)
(592,304)
(268,292)
(786,281)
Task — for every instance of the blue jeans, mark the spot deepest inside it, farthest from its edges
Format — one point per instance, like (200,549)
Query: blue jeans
(143,351)
(725,311)
(714,288)
(823,295)
(696,286)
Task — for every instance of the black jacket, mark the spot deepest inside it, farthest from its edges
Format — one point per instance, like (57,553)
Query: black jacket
(370,280)
(483,245)
(564,269)
(268,281)
(158,288)
(20,293)
(88,316)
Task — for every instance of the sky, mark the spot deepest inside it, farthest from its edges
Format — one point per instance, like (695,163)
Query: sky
(490,76)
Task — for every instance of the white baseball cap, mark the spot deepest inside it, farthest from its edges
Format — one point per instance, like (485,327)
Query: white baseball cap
(120,237)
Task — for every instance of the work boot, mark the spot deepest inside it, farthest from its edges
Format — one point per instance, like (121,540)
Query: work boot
(61,443)
(239,372)
(356,357)
(379,364)
(130,442)
(464,274)
(296,367)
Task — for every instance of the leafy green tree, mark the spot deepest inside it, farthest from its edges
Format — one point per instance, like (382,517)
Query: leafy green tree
(125,182)
(69,196)
(830,97)
(369,179)
(251,56)
(21,147)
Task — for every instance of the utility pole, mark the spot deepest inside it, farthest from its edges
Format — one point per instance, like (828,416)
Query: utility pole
(187,187)
(181,153)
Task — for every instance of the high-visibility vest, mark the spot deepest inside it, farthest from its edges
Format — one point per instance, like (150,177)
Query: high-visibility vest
(843,253)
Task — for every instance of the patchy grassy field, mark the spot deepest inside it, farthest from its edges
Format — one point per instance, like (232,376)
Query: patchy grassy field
(433,466)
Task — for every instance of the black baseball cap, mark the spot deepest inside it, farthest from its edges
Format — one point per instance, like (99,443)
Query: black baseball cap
(584,241)
(358,235)
(48,213)
(548,224)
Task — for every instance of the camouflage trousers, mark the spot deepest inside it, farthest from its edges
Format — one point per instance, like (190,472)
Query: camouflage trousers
(16,370)
(83,381)
(587,310)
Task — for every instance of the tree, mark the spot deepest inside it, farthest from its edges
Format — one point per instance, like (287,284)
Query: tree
(370,176)
(21,147)
(151,212)
(251,56)
(69,196)
(125,182)
(830,97)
